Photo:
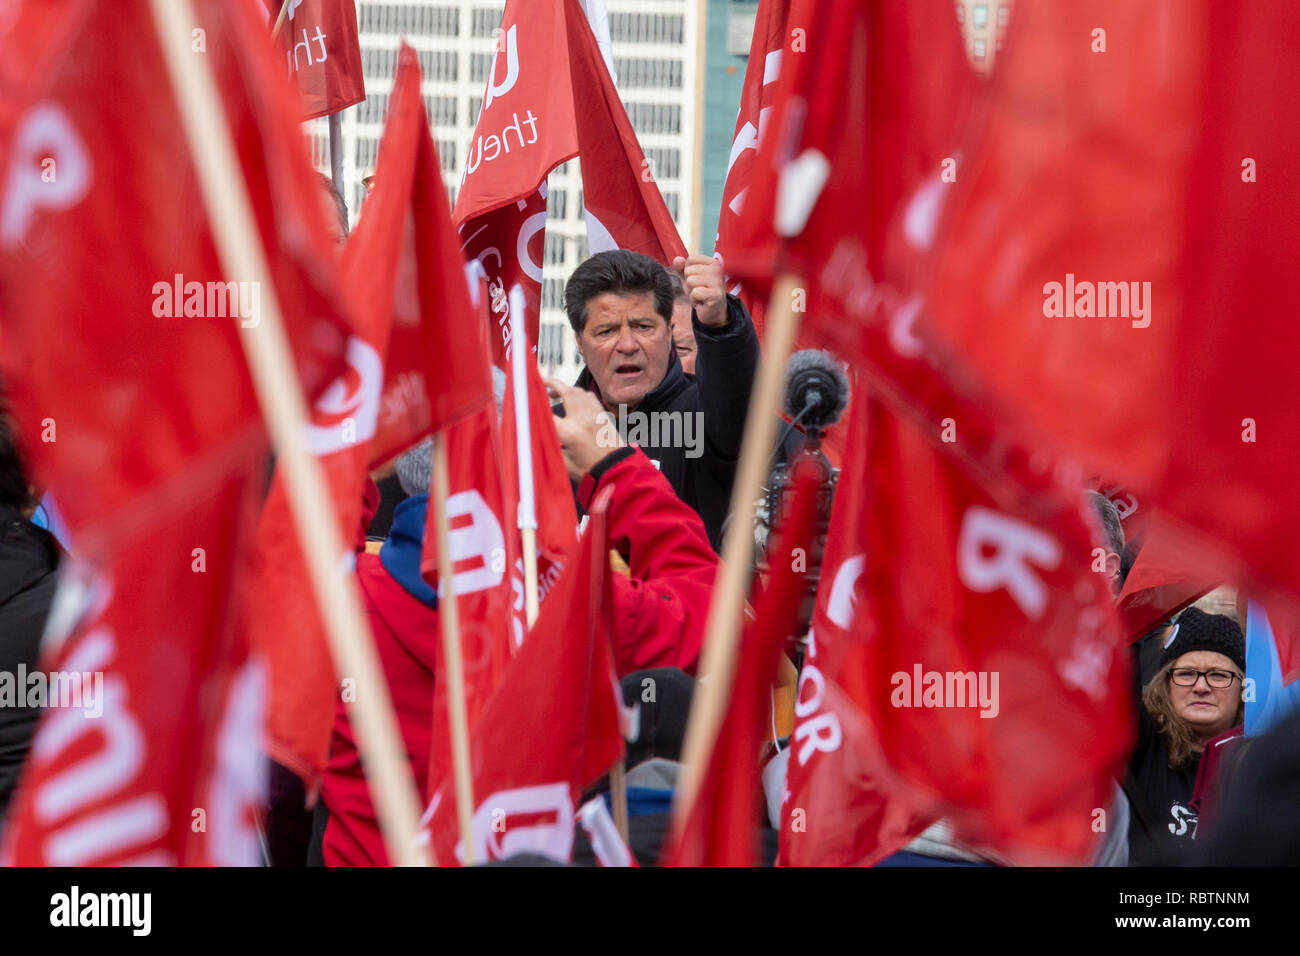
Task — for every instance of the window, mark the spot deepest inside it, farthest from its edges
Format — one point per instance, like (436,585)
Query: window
(409,18)
(438,65)
(961,13)
(377,64)
(372,108)
(479,66)
(670,200)
(441,110)
(552,294)
(475,107)
(648,74)
(980,19)
(664,163)
(557,203)
(1004,14)
(367,147)
(552,338)
(485,22)
(979,49)
(655,117)
(646,27)
(447,154)
(555,249)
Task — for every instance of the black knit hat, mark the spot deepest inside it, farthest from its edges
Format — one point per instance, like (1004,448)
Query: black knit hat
(1197,631)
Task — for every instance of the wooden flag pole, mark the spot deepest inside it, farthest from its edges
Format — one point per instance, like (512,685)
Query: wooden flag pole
(449,616)
(275,379)
(618,797)
(279,20)
(718,657)
(531,601)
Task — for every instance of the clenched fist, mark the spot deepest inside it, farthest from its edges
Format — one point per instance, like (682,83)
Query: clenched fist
(706,285)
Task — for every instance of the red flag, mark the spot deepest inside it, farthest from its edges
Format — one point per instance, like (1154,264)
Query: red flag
(1161,581)
(532,752)
(436,370)
(287,627)
(723,824)
(866,118)
(621,201)
(1106,299)
(757,97)
(977,649)
(154,434)
(321,53)
(547,100)
(483,550)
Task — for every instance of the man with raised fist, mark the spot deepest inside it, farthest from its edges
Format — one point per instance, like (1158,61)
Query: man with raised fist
(620,305)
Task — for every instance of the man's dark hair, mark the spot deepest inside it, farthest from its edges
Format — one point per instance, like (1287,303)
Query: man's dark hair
(621,272)
(1110,522)
(15,492)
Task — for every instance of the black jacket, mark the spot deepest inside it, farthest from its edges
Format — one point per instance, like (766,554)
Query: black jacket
(28,558)
(719,392)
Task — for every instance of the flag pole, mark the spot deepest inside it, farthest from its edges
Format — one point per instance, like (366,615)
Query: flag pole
(275,380)
(336,151)
(526,515)
(449,616)
(721,638)
(279,20)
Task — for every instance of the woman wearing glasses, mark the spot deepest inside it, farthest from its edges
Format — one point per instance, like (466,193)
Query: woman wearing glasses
(1194,697)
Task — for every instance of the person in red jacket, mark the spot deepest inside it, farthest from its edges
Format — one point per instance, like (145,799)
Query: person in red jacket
(660,606)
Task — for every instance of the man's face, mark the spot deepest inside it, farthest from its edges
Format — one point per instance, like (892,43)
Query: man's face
(625,344)
(684,334)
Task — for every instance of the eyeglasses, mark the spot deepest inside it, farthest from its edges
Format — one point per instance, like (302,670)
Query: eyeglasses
(1188,676)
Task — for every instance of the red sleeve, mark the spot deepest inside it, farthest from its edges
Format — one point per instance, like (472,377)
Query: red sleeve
(660,610)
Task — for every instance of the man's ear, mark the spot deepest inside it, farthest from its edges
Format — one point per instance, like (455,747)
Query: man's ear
(1112,564)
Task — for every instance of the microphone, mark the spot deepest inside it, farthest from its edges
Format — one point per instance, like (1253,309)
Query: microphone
(816,389)
(816,394)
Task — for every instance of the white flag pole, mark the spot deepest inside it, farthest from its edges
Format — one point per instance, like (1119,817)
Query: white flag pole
(275,379)
(526,516)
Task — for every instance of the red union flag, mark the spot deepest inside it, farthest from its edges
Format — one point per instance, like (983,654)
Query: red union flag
(321,53)
(549,97)
(846,191)
(973,650)
(1117,287)
(155,437)
(621,201)
(766,51)
(483,548)
(432,372)
(345,418)
(532,753)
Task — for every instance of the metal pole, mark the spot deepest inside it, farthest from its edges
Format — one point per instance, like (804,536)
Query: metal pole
(336,152)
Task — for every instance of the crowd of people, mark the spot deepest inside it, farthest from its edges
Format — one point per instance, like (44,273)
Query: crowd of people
(656,339)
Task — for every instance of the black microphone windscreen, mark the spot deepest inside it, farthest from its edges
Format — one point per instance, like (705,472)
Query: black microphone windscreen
(815,376)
